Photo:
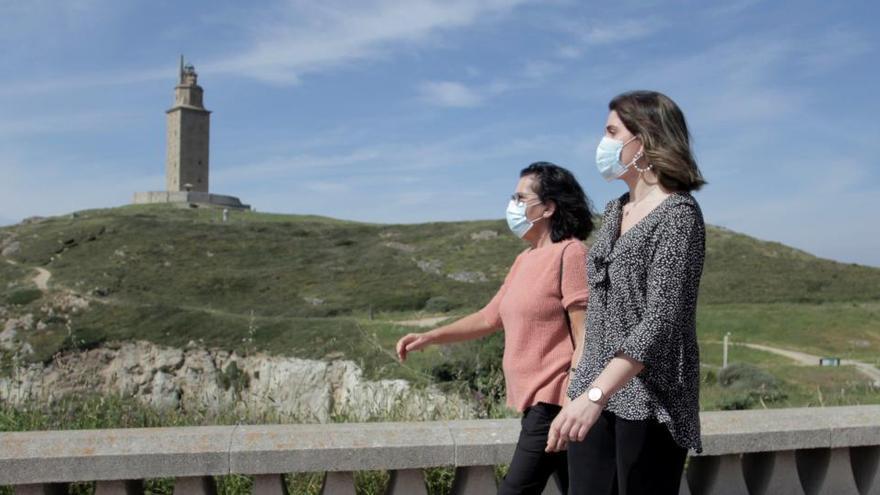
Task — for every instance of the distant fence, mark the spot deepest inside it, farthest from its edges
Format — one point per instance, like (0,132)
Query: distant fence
(833,450)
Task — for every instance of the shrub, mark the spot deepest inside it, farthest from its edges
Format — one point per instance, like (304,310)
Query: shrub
(736,401)
(22,297)
(748,384)
(477,366)
(710,378)
(746,376)
(438,304)
(233,377)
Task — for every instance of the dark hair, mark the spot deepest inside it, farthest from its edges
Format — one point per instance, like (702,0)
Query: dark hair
(574,215)
(660,125)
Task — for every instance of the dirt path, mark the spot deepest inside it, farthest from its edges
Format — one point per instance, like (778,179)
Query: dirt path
(422,322)
(812,360)
(42,279)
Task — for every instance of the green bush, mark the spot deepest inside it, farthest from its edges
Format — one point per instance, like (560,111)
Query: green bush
(710,378)
(748,385)
(438,304)
(233,377)
(746,376)
(22,297)
(477,365)
(737,401)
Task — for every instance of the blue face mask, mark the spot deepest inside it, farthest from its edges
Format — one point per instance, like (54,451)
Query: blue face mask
(517,220)
(608,158)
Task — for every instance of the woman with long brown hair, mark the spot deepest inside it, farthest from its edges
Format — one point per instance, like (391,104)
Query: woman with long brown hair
(634,409)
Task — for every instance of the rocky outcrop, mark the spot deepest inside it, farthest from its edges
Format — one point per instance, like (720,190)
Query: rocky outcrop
(216,380)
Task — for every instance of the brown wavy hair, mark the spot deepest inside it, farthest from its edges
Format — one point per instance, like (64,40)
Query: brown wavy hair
(660,124)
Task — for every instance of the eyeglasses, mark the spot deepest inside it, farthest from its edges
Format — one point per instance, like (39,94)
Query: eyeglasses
(520,199)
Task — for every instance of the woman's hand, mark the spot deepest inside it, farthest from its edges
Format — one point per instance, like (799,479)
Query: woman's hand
(572,423)
(411,342)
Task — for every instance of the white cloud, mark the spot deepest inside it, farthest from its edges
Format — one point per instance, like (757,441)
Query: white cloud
(449,94)
(327,187)
(585,34)
(85,81)
(61,123)
(730,8)
(531,74)
(622,31)
(569,52)
(832,49)
(306,37)
(278,45)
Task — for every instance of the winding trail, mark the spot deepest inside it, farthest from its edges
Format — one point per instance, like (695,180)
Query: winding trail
(805,359)
(42,279)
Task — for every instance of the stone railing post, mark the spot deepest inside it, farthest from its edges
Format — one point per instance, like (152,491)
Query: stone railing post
(195,485)
(42,489)
(407,482)
(338,483)
(119,487)
(269,484)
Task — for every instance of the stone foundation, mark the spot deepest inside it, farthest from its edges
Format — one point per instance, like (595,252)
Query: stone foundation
(194,198)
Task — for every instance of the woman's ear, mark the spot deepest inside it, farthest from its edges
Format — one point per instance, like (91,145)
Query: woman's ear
(551,209)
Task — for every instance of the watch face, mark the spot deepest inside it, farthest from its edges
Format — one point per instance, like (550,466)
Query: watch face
(594,394)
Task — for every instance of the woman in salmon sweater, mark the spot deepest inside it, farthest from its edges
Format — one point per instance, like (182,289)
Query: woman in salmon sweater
(540,307)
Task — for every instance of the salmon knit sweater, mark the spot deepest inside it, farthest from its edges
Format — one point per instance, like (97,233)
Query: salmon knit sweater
(531,307)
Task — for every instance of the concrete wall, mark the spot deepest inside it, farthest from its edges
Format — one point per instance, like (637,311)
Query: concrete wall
(192,197)
(833,450)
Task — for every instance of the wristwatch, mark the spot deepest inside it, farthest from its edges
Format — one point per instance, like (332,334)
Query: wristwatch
(595,394)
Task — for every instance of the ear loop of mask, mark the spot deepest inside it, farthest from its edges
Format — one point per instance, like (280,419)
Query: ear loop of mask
(541,217)
(638,155)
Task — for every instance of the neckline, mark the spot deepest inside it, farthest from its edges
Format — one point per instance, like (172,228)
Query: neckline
(531,249)
(638,224)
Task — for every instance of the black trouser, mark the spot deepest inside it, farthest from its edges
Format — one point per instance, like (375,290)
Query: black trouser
(531,466)
(625,457)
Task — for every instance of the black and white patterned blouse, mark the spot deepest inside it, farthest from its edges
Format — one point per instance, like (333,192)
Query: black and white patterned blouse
(643,303)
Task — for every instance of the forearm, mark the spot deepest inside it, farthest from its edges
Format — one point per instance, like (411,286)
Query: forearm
(616,374)
(470,327)
(576,357)
(576,317)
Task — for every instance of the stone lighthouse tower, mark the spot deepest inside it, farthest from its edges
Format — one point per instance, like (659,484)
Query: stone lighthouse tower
(186,154)
(186,163)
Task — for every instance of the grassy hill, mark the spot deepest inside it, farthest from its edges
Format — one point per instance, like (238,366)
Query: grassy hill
(319,287)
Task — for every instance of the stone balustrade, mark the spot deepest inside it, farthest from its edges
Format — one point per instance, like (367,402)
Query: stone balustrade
(834,450)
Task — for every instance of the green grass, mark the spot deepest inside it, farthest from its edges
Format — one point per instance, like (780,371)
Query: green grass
(273,264)
(23,297)
(846,330)
(712,354)
(307,286)
(15,282)
(802,386)
(741,269)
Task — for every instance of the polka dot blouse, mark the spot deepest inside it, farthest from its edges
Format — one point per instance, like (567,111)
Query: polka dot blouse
(643,303)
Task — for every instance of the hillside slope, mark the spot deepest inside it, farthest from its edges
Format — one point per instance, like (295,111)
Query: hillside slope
(305,285)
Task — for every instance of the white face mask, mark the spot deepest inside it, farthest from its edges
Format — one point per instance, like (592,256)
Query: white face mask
(608,157)
(517,220)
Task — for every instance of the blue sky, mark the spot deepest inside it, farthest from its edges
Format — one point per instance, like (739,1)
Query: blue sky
(417,110)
